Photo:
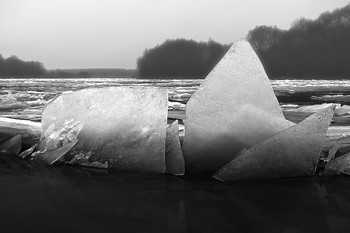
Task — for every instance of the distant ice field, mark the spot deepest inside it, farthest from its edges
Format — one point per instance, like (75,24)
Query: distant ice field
(298,98)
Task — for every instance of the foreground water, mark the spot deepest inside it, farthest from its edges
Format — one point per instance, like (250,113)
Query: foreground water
(75,200)
(65,199)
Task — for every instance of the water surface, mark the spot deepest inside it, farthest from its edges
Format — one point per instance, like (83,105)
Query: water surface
(64,199)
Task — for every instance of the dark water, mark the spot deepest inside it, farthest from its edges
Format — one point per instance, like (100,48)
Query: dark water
(65,199)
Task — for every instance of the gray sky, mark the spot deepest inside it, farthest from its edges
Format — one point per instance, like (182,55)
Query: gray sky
(114,33)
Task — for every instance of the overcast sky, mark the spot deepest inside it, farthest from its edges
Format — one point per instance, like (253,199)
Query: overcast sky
(113,33)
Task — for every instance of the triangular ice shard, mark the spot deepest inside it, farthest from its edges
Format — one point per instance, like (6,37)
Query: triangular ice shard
(291,153)
(174,160)
(123,126)
(234,108)
(51,156)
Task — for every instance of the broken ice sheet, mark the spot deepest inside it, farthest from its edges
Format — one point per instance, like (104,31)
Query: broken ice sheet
(174,161)
(293,152)
(124,126)
(334,146)
(27,152)
(342,110)
(337,166)
(68,132)
(9,101)
(50,156)
(12,146)
(83,159)
(55,143)
(333,150)
(235,107)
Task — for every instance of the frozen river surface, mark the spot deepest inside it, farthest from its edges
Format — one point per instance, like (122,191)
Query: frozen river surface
(292,94)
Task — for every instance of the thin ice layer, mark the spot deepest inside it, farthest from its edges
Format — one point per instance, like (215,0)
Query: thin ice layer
(124,126)
(174,160)
(291,153)
(234,108)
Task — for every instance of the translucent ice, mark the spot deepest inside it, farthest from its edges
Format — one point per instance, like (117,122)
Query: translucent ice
(53,142)
(290,153)
(51,156)
(124,126)
(174,161)
(234,108)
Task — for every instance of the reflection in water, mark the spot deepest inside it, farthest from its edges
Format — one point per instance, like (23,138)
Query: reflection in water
(64,199)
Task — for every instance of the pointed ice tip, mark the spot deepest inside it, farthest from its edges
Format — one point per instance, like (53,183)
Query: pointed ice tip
(242,42)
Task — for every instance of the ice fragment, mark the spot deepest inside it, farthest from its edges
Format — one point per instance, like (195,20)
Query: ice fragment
(174,160)
(290,153)
(337,166)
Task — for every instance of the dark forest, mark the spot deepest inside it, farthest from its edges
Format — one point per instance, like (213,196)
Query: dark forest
(309,48)
(181,58)
(14,67)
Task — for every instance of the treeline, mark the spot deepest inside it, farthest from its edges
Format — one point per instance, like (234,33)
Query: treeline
(103,72)
(91,73)
(15,67)
(180,58)
(310,48)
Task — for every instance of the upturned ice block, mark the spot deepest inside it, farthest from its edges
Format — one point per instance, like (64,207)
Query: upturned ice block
(234,108)
(124,126)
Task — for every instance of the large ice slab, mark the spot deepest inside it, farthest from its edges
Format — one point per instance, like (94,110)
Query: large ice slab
(291,153)
(174,160)
(234,108)
(124,126)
